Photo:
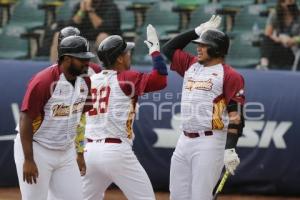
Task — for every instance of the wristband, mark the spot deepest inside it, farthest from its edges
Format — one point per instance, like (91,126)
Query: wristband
(297,39)
(80,14)
(231,141)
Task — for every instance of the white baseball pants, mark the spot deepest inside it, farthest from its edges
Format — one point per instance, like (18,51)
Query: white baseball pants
(59,176)
(196,166)
(110,162)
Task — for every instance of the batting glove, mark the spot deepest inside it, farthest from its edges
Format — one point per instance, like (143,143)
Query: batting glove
(231,160)
(152,41)
(213,23)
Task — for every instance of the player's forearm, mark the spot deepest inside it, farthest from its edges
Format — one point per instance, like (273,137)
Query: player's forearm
(235,127)
(178,42)
(158,77)
(155,82)
(26,134)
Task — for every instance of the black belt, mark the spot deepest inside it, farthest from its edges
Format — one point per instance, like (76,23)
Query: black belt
(194,135)
(106,140)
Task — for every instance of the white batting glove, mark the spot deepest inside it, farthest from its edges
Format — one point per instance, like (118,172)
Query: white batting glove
(152,41)
(231,160)
(213,23)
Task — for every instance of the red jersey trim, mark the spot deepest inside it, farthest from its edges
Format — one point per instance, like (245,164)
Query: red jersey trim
(233,85)
(182,61)
(96,68)
(39,91)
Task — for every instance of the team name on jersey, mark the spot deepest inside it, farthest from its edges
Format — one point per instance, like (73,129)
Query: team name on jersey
(199,85)
(62,110)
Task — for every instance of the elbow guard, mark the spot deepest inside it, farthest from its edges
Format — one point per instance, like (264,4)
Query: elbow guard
(232,138)
(236,107)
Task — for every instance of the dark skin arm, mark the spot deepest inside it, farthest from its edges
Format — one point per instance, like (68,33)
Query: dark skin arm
(30,171)
(81,163)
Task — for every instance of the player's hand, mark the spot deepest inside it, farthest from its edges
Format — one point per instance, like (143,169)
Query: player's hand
(231,160)
(81,163)
(88,5)
(213,23)
(30,171)
(82,6)
(152,41)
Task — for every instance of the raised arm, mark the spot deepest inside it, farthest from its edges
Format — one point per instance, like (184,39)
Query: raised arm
(157,79)
(183,39)
(173,49)
(136,83)
(178,42)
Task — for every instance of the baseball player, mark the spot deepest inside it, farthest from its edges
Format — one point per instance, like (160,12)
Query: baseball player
(109,155)
(92,68)
(44,148)
(211,104)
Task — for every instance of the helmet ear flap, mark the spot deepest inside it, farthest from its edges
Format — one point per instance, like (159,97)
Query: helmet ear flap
(210,51)
(213,52)
(104,58)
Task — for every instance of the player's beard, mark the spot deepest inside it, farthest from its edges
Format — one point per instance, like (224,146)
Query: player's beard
(73,70)
(201,62)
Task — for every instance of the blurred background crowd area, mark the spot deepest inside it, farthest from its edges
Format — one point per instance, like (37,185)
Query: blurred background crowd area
(28,28)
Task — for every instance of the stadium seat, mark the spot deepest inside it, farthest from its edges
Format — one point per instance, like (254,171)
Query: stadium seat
(161,16)
(203,13)
(12,47)
(241,52)
(127,20)
(140,52)
(25,17)
(65,11)
(249,17)
(234,3)
(190,2)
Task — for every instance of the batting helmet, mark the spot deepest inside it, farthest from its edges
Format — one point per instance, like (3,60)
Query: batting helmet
(75,46)
(67,31)
(217,41)
(111,47)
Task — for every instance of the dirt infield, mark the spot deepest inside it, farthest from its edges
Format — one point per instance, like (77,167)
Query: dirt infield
(115,194)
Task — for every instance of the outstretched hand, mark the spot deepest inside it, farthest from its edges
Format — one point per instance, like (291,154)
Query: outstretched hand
(152,41)
(213,23)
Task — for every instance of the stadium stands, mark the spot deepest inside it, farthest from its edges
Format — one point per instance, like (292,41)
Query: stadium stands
(22,20)
(164,15)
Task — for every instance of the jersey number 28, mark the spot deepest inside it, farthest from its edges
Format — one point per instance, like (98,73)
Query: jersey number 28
(103,97)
